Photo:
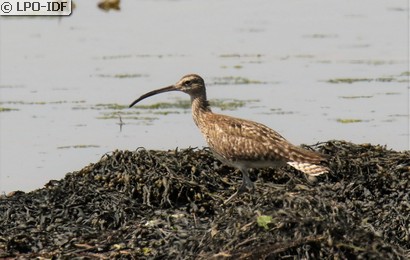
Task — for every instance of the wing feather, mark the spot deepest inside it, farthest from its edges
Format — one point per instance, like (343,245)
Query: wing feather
(239,139)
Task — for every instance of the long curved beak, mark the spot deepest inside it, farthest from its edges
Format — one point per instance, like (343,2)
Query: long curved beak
(154,92)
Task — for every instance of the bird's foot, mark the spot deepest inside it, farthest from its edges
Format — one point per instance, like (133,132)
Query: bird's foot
(246,186)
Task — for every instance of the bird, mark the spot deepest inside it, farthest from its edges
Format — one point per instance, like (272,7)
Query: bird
(240,143)
(107,5)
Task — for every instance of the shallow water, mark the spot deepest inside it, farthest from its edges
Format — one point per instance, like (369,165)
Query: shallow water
(313,71)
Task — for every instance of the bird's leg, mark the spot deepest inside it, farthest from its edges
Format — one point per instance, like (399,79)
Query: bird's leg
(247,185)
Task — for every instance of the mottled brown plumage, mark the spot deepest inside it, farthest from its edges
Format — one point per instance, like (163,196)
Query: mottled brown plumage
(242,143)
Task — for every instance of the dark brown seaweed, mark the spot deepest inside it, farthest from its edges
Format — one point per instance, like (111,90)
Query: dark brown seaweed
(169,205)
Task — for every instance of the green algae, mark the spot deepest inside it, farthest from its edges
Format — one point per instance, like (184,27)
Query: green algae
(355,97)
(7,109)
(348,120)
(121,75)
(78,146)
(232,80)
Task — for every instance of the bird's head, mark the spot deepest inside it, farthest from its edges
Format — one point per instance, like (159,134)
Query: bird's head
(191,84)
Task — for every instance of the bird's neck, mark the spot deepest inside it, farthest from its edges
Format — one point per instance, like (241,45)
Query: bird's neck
(200,104)
(200,108)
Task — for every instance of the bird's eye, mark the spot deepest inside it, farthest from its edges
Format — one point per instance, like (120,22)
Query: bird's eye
(188,82)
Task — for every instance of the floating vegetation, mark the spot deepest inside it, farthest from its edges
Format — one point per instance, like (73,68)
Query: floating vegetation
(25,102)
(349,120)
(127,56)
(149,113)
(11,86)
(304,56)
(7,109)
(227,105)
(223,104)
(354,80)
(230,80)
(164,112)
(168,107)
(279,111)
(113,111)
(237,55)
(169,205)
(181,104)
(112,106)
(377,62)
(349,80)
(130,116)
(115,57)
(242,58)
(122,76)
(354,97)
(40,102)
(139,118)
(370,96)
(78,146)
(230,104)
(320,36)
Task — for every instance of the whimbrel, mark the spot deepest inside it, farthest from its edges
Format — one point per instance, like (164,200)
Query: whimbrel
(241,143)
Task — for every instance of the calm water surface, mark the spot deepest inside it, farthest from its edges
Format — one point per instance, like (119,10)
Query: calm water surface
(313,71)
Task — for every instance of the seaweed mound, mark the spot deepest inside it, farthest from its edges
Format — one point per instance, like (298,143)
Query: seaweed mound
(169,205)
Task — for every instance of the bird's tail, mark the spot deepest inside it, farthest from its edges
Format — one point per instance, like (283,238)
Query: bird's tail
(306,161)
(309,168)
